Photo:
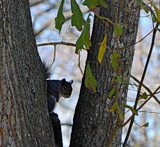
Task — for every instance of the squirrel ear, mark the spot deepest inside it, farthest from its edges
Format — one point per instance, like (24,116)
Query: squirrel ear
(63,81)
(71,81)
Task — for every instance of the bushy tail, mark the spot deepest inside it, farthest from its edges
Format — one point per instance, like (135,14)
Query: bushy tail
(47,70)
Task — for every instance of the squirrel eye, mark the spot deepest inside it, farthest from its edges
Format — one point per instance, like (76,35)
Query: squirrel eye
(64,88)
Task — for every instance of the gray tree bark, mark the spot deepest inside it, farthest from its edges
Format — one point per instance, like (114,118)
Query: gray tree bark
(93,123)
(23,106)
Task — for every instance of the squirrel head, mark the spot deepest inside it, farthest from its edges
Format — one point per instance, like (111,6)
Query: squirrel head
(66,88)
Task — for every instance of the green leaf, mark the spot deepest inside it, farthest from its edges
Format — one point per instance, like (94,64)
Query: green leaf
(60,19)
(156,10)
(117,78)
(118,30)
(158,29)
(146,124)
(121,115)
(91,3)
(114,58)
(103,3)
(112,92)
(102,49)
(90,82)
(77,17)
(145,7)
(154,18)
(144,95)
(114,80)
(113,108)
(130,108)
(84,39)
(114,64)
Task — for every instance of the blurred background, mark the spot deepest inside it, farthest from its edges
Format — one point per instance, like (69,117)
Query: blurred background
(66,66)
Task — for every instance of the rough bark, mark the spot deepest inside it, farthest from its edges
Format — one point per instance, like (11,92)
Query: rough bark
(93,123)
(23,107)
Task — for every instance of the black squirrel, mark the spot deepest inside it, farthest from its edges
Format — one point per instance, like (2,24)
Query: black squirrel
(56,89)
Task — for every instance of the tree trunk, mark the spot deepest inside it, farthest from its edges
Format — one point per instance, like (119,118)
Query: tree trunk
(23,105)
(93,123)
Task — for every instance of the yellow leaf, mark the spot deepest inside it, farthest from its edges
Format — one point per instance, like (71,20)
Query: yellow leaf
(113,108)
(120,113)
(102,49)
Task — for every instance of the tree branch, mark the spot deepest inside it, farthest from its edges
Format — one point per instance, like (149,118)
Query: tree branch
(36,3)
(57,43)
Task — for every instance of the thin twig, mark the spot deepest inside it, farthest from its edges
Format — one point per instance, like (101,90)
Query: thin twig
(79,62)
(57,43)
(137,41)
(156,99)
(66,124)
(54,55)
(149,112)
(36,3)
(138,124)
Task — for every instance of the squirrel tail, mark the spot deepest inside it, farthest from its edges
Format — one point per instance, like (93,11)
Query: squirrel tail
(47,70)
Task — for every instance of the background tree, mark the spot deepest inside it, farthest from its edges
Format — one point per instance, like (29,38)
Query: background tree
(22,86)
(93,124)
